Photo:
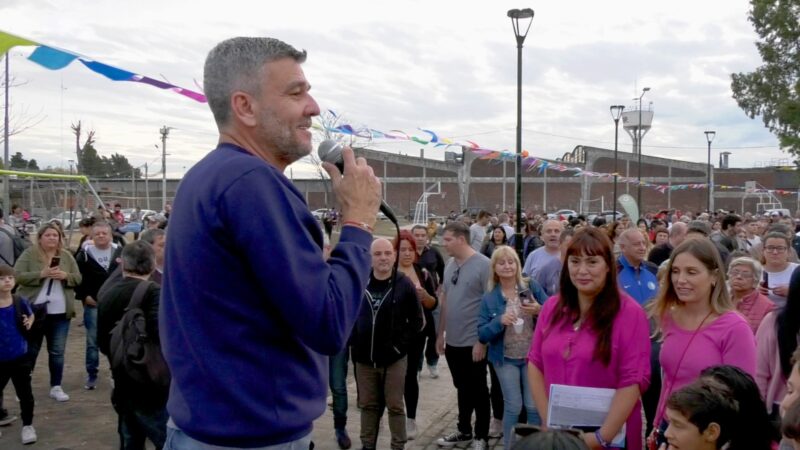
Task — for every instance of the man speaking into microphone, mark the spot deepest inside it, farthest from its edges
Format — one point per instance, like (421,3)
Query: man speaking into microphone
(249,307)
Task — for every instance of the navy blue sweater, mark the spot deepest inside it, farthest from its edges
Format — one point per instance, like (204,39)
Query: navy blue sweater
(249,307)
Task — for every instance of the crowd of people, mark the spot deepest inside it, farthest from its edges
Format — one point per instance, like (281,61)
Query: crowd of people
(691,320)
(38,291)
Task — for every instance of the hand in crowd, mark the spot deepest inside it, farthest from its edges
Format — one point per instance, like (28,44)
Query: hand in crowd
(27,321)
(440,345)
(90,301)
(532,309)
(54,273)
(478,352)
(509,318)
(357,189)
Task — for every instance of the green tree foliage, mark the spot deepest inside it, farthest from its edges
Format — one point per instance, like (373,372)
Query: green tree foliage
(17,161)
(773,89)
(94,165)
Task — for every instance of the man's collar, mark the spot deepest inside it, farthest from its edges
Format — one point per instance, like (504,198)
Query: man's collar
(624,261)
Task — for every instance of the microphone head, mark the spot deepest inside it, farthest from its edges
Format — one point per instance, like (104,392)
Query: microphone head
(330,151)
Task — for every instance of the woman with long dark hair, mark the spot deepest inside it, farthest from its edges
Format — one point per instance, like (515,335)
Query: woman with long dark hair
(776,339)
(593,335)
(423,280)
(496,239)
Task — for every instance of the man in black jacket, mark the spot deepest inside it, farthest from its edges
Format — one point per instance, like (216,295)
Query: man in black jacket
(96,260)
(141,407)
(390,316)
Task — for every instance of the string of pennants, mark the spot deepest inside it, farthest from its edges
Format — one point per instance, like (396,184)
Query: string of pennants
(55,59)
(529,163)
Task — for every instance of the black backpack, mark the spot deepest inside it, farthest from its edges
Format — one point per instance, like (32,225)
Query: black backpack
(20,244)
(132,350)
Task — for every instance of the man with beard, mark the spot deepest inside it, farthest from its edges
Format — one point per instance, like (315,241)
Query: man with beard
(249,306)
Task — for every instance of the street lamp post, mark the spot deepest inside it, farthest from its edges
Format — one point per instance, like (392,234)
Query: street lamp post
(516,16)
(709,138)
(639,144)
(616,112)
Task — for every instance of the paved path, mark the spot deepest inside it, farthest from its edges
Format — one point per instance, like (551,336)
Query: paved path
(88,421)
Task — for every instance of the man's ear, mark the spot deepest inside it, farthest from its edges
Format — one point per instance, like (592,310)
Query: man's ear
(712,432)
(243,109)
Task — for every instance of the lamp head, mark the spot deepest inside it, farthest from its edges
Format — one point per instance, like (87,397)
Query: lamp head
(520,14)
(616,111)
(710,136)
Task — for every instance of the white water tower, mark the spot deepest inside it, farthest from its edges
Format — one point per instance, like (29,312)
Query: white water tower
(631,123)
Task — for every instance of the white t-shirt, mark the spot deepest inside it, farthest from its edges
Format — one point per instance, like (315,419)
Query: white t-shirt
(103,257)
(778,279)
(55,298)
(476,235)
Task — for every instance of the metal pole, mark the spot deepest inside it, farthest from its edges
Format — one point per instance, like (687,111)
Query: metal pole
(639,176)
(708,175)
(6,133)
(518,235)
(146,186)
(164,133)
(616,142)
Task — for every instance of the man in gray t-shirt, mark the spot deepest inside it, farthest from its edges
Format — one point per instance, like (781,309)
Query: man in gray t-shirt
(465,280)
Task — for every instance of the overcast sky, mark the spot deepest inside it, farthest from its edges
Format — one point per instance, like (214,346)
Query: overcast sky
(448,66)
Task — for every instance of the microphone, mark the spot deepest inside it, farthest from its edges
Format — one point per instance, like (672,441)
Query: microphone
(331,151)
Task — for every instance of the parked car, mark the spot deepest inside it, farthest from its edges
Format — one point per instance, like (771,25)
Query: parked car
(319,214)
(68,219)
(607,215)
(562,214)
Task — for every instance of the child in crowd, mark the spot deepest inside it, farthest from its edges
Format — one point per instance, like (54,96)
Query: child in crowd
(16,318)
(701,416)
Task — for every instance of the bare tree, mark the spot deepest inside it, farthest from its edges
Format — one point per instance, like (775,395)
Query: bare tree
(20,117)
(330,121)
(76,130)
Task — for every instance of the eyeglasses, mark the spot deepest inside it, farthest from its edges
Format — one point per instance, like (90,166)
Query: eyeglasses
(774,249)
(736,273)
(454,279)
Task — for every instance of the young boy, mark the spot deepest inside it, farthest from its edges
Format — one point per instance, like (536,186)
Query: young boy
(16,318)
(701,417)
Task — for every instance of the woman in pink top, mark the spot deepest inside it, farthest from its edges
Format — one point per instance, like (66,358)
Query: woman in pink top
(592,335)
(744,274)
(697,321)
(777,340)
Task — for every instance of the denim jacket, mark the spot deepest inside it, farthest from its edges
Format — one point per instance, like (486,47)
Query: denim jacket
(490,329)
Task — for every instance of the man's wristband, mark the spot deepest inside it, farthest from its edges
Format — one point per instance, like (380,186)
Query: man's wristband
(361,225)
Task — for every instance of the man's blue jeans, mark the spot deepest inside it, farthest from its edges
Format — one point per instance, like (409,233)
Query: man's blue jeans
(56,329)
(178,440)
(90,323)
(337,380)
(513,376)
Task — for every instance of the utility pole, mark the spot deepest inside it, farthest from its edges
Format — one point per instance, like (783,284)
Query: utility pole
(133,185)
(164,132)
(6,133)
(146,187)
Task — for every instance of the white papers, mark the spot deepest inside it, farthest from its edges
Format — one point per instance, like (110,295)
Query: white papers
(577,406)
